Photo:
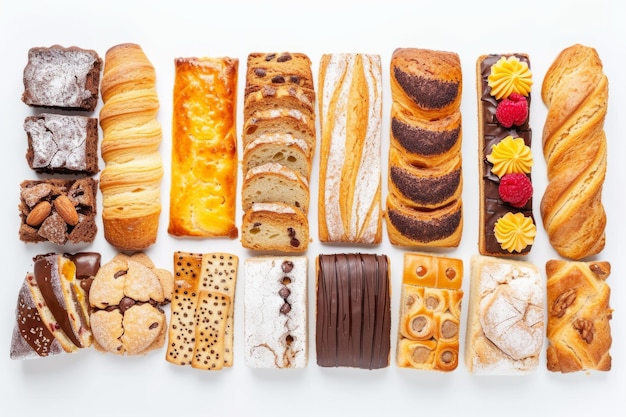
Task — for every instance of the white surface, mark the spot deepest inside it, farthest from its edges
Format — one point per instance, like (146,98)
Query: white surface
(99,384)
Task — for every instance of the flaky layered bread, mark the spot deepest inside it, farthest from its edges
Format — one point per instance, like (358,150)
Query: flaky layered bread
(424,206)
(203,191)
(350,109)
(131,135)
(579,335)
(575,90)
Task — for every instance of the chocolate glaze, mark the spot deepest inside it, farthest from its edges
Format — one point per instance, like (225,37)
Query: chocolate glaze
(32,333)
(424,142)
(353,311)
(425,191)
(427,93)
(425,231)
(493,206)
(46,272)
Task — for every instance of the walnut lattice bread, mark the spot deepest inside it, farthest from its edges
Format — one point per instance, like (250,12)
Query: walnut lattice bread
(52,313)
(505,324)
(430,312)
(62,144)
(63,78)
(579,334)
(424,206)
(350,109)
(58,210)
(575,90)
(131,135)
(203,191)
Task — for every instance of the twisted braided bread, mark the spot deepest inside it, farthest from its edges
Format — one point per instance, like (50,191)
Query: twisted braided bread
(575,90)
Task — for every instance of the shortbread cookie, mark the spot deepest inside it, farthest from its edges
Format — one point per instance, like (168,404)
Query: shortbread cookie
(126,297)
(505,327)
(430,312)
(353,311)
(275,316)
(202,323)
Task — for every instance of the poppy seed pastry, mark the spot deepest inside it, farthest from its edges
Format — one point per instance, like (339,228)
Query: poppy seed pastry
(425,181)
(62,144)
(63,78)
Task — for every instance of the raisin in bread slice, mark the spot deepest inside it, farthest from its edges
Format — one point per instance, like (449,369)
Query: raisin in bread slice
(292,69)
(271,183)
(284,149)
(282,120)
(275,227)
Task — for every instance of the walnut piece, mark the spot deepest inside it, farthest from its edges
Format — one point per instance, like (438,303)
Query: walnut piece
(563,301)
(585,328)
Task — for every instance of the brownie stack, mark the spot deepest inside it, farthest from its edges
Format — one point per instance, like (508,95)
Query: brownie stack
(54,208)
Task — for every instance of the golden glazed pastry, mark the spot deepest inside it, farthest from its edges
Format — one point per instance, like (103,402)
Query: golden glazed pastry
(350,109)
(579,334)
(424,206)
(131,135)
(203,191)
(575,90)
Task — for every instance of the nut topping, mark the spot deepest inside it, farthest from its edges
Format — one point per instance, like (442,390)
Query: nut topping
(38,214)
(563,301)
(66,210)
(585,328)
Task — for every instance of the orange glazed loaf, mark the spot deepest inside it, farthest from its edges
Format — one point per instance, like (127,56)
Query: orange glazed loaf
(203,191)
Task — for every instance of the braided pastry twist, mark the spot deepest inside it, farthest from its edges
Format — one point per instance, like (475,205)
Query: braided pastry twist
(575,90)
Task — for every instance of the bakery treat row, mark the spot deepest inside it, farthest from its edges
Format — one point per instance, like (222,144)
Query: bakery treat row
(279,140)
(424,205)
(70,302)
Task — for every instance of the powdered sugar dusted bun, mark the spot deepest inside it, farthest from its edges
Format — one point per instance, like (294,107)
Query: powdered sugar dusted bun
(275,315)
(505,329)
(350,109)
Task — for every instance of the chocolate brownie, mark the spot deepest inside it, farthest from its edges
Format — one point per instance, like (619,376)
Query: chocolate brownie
(63,78)
(58,210)
(59,144)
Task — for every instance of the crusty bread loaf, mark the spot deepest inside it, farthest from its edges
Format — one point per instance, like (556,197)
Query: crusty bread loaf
(283,149)
(275,227)
(275,313)
(505,324)
(131,135)
(203,191)
(350,109)
(575,90)
(516,239)
(270,97)
(430,312)
(424,206)
(579,334)
(273,182)
(282,120)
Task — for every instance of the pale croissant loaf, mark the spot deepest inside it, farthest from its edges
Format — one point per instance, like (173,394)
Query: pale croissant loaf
(575,89)
(130,181)
(350,173)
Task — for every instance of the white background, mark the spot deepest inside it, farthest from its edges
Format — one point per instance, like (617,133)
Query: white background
(104,384)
